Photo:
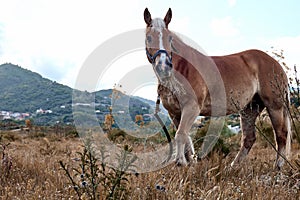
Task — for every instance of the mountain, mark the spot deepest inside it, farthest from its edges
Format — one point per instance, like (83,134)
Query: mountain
(24,91)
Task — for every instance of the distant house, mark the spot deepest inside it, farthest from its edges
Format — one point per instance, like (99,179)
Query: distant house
(23,116)
(234,129)
(6,117)
(41,111)
(10,115)
(144,108)
(82,104)
(147,117)
(26,114)
(15,115)
(48,111)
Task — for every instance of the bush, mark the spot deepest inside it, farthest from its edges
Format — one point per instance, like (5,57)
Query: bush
(264,133)
(9,136)
(221,145)
(116,134)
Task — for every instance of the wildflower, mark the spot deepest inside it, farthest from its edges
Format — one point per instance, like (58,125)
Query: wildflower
(161,188)
(75,187)
(84,183)
(82,175)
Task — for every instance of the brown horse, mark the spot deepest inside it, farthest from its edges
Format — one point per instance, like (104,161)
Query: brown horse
(192,84)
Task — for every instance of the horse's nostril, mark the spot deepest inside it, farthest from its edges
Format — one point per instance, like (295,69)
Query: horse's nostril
(158,68)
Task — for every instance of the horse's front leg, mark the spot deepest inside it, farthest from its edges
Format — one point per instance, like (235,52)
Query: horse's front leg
(184,144)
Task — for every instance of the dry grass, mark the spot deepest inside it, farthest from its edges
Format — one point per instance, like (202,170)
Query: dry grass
(36,174)
(209,179)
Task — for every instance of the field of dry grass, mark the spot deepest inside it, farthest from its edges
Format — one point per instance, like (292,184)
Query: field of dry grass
(30,169)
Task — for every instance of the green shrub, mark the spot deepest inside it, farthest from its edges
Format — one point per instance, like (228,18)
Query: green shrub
(221,145)
(115,134)
(9,136)
(264,132)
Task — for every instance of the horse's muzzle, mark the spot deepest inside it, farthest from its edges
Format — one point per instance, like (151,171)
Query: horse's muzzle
(163,70)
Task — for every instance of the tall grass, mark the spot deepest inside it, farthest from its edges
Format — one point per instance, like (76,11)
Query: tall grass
(36,174)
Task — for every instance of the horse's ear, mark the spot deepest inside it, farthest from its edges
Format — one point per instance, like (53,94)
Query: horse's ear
(147,17)
(168,17)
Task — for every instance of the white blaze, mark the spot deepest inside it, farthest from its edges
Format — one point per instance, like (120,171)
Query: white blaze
(163,56)
(161,45)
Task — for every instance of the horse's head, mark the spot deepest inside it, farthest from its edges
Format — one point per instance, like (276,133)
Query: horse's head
(158,44)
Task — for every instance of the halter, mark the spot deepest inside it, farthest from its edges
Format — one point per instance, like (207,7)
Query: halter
(160,51)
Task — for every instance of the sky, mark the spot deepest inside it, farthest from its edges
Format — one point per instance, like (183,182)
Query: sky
(54,38)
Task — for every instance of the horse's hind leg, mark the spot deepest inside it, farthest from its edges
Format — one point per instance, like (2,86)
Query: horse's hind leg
(248,117)
(281,124)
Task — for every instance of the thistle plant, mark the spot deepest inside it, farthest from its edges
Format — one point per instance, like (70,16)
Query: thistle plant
(85,180)
(94,179)
(116,181)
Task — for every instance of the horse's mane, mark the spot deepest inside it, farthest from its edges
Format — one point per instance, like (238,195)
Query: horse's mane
(158,24)
(183,42)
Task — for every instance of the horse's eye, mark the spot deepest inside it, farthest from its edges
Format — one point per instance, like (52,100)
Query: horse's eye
(149,39)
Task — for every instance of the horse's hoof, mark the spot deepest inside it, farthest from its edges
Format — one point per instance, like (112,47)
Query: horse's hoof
(180,162)
(277,166)
(190,160)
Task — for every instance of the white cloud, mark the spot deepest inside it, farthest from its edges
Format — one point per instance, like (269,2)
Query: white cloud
(290,46)
(224,27)
(232,3)
(55,37)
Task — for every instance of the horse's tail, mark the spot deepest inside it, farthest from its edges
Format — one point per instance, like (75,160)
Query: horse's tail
(288,125)
(288,137)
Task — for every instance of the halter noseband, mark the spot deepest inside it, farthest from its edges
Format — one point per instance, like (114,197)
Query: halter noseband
(160,51)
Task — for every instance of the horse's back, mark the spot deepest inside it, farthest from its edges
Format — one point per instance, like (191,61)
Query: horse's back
(250,64)
(251,72)
(252,60)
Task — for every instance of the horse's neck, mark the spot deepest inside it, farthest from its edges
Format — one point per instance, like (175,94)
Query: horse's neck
(178,84)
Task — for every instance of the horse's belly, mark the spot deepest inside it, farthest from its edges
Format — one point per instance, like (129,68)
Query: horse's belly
(235,100)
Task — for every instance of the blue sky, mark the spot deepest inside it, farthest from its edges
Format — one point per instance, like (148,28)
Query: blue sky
(54,37)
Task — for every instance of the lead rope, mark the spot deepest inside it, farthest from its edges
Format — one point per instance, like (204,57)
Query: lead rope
(157,110)
(159,185)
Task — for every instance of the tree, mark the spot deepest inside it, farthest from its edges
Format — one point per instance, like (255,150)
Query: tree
(139,120)
(109,121)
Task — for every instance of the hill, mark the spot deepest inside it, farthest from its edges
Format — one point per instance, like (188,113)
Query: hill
(25,91)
